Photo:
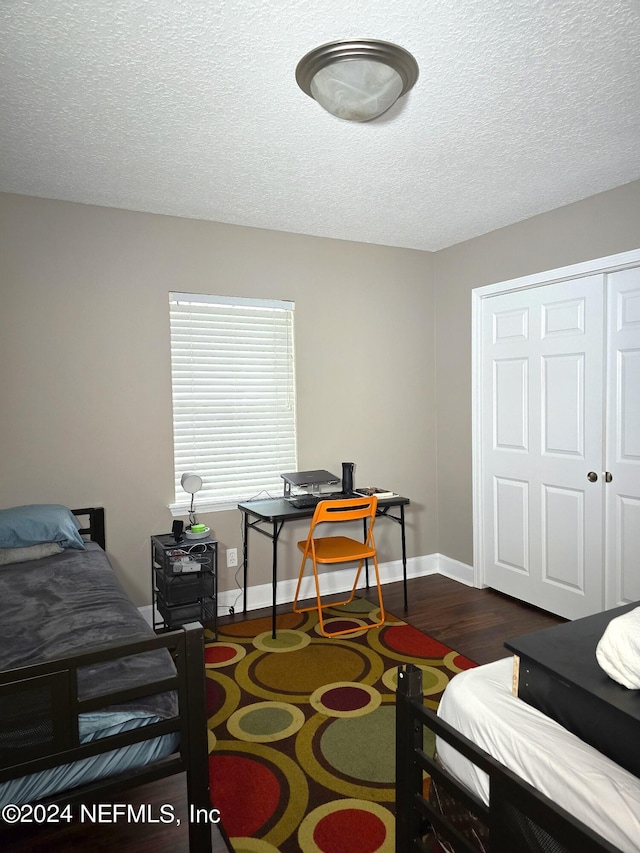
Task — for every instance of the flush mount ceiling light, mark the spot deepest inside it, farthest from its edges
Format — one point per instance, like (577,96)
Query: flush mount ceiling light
(357,79)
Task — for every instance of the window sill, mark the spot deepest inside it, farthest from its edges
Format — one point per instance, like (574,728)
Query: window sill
(182,510)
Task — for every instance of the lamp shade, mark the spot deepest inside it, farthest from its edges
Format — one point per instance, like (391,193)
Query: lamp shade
(357,80)
(191,483)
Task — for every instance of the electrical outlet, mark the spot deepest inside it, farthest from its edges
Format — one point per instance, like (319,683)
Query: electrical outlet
(232,557)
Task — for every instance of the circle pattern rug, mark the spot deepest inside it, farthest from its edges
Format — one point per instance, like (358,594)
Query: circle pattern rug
(302,728)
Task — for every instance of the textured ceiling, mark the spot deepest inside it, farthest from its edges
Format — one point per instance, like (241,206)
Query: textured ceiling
(190,108)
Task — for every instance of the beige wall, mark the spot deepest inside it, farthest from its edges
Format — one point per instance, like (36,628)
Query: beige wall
(85,376)
(598,226)
(84,359)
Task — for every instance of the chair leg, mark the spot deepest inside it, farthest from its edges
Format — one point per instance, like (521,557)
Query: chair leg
(295,597)
(379,585)
(319,606)
(295,608)
(347,601)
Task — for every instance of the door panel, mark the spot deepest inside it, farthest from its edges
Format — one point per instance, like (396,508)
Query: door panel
(511,528)
(511,325)
(629,368)
(563,404)
(511,417)
(623,438)
(563,318)
(542,368)
(563,535)
(627,534)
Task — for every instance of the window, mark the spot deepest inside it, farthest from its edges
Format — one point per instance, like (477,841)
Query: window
(233,383)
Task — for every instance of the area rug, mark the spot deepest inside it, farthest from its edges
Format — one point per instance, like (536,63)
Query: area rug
(302,728)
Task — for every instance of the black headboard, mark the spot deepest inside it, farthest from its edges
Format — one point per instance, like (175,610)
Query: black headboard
(95,527)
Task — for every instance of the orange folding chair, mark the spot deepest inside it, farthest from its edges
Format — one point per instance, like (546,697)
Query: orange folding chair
(330,550)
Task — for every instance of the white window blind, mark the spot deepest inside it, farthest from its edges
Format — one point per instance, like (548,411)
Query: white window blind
(233,383)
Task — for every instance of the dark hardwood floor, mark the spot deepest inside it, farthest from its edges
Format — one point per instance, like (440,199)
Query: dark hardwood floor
(474,622)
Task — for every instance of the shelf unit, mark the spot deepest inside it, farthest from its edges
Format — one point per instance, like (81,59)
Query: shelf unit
(184,580)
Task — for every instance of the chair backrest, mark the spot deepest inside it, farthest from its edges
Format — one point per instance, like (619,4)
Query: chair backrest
(349,509)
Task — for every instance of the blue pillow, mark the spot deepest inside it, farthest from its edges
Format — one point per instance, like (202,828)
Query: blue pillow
(21,526)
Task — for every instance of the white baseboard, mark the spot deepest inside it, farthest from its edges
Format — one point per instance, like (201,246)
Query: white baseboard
(341,580)
(338,581)
(147,612)
(332,582)
(455,570)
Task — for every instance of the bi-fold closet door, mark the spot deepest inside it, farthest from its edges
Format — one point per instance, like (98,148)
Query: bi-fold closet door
(557,437)
(622,454)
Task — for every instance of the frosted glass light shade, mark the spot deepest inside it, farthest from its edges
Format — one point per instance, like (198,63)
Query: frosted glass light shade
(357,90)
(357,80)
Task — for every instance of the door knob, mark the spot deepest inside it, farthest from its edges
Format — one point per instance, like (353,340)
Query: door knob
(608,476)
(592,476)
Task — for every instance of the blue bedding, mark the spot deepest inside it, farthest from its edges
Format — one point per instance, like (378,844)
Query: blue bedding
(37,786)
(65,605)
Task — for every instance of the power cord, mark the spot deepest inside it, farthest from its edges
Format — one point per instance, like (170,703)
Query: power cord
(258,496)
(232,608)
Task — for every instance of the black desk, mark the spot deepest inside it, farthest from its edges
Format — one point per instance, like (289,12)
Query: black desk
(268,517)
(560,676)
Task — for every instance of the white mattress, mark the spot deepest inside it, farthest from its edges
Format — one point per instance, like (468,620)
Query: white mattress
(479,703)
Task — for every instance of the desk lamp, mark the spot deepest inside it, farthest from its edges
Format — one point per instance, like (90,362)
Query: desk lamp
(191,483)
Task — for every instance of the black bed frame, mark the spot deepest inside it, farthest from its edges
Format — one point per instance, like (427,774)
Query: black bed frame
(56,681)
(519,817)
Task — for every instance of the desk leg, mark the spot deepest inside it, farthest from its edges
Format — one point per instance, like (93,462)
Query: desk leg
(276,533)
(245,561)
(404,558)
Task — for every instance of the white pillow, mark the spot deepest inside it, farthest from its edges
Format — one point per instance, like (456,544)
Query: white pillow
(30,552)
(618,651)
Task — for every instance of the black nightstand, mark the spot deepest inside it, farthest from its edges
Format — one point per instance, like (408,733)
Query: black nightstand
(184,582)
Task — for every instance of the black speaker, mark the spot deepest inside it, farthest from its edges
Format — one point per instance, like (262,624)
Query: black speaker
(177,529)
(347,477)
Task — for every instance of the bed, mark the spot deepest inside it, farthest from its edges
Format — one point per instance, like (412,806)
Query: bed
(91,700)
(505,776)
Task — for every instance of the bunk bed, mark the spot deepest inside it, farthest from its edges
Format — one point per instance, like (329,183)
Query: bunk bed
(506,776)
(91,700)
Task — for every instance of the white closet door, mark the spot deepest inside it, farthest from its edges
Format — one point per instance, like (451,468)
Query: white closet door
(542,428)
(623,438)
